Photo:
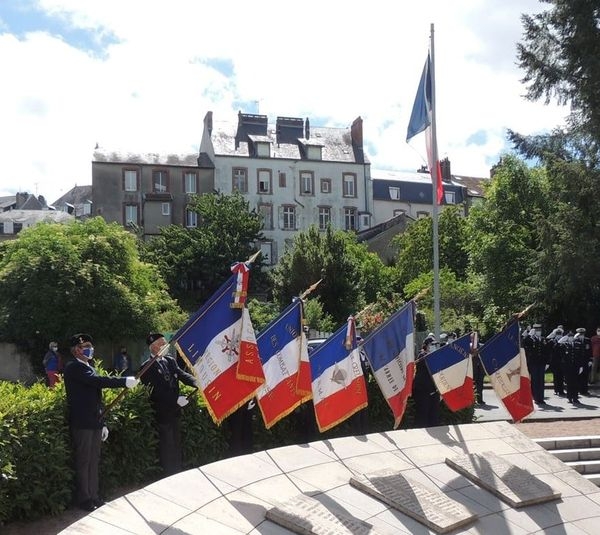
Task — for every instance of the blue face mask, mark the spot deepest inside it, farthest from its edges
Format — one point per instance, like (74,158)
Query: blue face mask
(88,352)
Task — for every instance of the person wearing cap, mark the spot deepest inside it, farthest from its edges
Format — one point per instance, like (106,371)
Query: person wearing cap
(163,378)
(556,353)
(583,359)
(84,401)
(424,392)
(52,364)
(535,352)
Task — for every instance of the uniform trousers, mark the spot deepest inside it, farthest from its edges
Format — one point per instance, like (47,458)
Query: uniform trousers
(169,446)
(86,444)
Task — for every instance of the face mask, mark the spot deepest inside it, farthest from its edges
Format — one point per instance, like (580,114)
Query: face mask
(54,348)
(88,352)
(598,332)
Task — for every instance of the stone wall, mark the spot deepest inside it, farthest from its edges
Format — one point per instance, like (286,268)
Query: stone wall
(14,365)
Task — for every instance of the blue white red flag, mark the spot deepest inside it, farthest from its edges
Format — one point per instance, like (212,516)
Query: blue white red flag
(283,351)
(421,121)
(451,368)
(504,361)
(219,342)
(338,385)
(390,350)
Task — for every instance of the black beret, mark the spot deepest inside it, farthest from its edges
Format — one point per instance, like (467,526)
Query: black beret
(80,338)
(153,337)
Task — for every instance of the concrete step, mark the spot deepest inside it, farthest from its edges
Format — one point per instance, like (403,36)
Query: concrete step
(585,467)
(593,478)
(577,454)
(565,443)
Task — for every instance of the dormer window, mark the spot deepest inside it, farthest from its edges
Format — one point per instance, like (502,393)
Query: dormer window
(314,153)
(263,149)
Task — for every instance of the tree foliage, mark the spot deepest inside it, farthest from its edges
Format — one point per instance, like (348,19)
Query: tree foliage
(559,54)
(196,261)
(80,277)
(348,271)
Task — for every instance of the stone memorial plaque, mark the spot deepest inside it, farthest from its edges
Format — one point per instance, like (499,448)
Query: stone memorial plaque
(513,485)
(307,516)
(429,507)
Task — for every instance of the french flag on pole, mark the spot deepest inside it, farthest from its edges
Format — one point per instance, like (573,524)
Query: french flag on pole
(504,361)
(219,342)
(283,351)
(390,350)
(421,120)
(338,385)
(451,369)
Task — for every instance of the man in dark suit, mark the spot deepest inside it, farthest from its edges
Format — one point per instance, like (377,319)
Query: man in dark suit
(84,400)
(163,378)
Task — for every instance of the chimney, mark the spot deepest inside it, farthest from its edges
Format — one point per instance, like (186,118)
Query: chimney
(445,166)
(356,133)
(307,129)
(208,122)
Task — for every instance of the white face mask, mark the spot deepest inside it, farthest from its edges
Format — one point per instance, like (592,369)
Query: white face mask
(53,348)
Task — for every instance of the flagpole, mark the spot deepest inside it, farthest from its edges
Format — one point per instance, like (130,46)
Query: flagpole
(434,182)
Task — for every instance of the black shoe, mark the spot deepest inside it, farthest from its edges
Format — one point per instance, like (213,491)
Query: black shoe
(87,505)
(541,403)
(99,503)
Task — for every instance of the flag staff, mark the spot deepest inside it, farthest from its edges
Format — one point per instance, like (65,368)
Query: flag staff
(434,170)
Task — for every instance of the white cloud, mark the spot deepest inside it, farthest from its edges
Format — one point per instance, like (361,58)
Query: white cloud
(152,84)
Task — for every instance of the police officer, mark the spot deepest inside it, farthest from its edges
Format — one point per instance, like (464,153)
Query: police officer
(163,377)
(555,352)
(84,401)
(533,343)
(570,367)
(424,392)
(583,353)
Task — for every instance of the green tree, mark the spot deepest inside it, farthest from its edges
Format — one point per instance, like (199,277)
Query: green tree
(334,256)
(504,234)
(60,279)
(196,261)
(559,54)
(415,247)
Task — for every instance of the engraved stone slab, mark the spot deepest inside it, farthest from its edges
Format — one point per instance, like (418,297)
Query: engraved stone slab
(307,516)
(429,507)
(513,485)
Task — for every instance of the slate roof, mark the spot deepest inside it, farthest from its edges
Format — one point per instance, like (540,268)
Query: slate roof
(34,216)
(475,185)
(151,158)
(76,195)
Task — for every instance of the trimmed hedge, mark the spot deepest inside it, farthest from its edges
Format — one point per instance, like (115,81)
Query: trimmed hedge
(36,472)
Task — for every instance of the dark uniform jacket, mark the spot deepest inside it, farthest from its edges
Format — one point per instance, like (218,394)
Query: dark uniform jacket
(163,378)
(84,394)
(535,350)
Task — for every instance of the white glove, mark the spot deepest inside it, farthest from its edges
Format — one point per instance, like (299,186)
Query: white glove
(546,368)
(581,370)
(251,404)
(182,401)
(131,382)
(104,435)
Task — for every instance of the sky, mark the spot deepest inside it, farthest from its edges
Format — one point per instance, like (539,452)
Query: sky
(141,75)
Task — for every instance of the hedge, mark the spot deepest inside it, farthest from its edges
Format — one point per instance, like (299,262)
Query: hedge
(36,471)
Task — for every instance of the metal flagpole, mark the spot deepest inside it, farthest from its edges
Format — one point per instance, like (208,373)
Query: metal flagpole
(434,182)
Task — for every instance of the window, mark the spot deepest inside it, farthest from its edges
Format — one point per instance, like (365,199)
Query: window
(449,197)
(289,218)
(314,153)
(160,181)
(264,181)
(165,208)
(240,180)
(324,217)
(422,214)
(365,221)
(190,183)
(349,182)
(87,208)
(394,193)
(281,179)
(306,183)
(263,149)
(266,212)
(191,219)
(130,180)
(266,250)
(131,214)
(326,185)
(350,218)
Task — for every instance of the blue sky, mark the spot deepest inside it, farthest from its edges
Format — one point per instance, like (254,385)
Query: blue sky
(140,76)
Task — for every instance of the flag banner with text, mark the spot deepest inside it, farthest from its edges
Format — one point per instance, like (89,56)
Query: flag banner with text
(504,362)
(218,341)
(283,351)
(338,385)
(451,368)
(390,350)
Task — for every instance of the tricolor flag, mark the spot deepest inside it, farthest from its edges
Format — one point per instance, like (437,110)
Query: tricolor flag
(283,351)
(421,119)
(219,342)
(504,361)
(390,350)
(338,385)
(451,368)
